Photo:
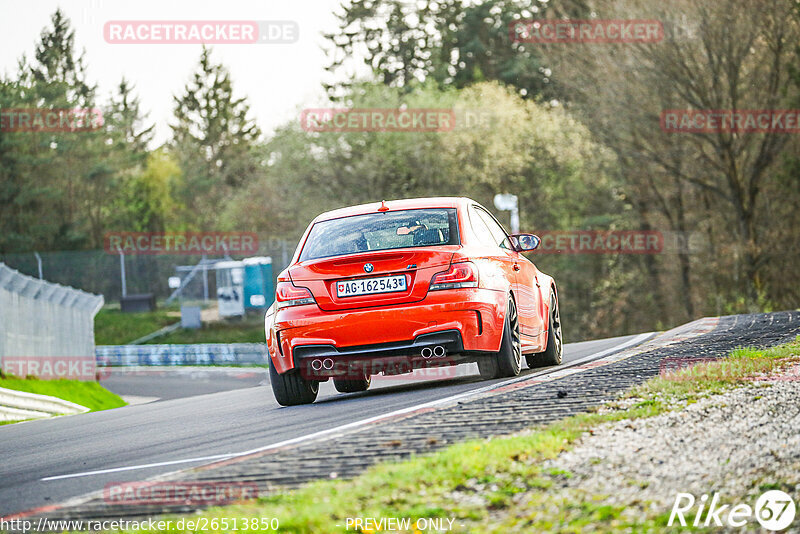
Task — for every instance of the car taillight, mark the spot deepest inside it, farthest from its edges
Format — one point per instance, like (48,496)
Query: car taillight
(288,294)
(457,276)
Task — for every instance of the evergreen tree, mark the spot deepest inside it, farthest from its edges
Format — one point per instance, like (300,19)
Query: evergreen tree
(453,42)
(213,139)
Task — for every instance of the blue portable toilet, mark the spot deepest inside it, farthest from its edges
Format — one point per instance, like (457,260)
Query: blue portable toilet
(259,291)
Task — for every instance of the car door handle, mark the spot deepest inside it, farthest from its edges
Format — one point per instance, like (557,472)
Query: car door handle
(516,267)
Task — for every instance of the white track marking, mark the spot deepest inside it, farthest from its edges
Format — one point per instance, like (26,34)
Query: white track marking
(143,466)
(349,426)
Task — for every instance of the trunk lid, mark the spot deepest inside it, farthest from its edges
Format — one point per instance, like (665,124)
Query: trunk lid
(417,265)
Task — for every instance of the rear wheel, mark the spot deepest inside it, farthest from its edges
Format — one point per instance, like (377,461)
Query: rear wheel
(554,351)
(352,386)
(508,361)
(291,389)
(487,366)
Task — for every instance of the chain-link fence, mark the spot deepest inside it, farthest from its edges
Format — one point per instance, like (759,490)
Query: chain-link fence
(98,271)
(46,329)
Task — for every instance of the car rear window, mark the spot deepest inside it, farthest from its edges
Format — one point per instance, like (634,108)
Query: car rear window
(381,231)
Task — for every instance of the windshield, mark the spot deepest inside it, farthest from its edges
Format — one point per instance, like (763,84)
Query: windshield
(381,231)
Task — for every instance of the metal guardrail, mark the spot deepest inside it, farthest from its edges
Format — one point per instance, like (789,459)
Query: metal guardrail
(191,354)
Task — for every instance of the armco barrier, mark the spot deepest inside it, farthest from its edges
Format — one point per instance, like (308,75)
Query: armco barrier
(192,354)
(42,323)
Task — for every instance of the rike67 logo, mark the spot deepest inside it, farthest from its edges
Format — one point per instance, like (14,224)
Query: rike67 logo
(774,510)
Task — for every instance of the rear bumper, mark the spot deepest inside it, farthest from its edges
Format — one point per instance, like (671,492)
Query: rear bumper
(326,361)
(462,320)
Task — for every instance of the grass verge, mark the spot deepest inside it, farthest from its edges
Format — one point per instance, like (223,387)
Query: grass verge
(89,394)
(247,330)
(113,327)
(475,481)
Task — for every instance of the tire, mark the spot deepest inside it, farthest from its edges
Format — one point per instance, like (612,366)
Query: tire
(554,352)
(508,361)
(352,386)
(291,389)
(487,366)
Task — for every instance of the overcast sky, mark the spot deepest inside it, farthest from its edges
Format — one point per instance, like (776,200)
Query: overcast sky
(277,79)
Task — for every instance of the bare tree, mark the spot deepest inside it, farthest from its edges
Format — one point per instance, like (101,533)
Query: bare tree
(715,55)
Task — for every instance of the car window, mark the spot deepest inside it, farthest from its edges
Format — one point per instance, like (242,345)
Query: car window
(480,228)
(381,231)
(498,234)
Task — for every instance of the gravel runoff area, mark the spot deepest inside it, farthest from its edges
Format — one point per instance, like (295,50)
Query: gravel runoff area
(737,444)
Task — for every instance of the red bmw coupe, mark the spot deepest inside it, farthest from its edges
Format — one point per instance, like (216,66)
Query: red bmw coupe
(391,287)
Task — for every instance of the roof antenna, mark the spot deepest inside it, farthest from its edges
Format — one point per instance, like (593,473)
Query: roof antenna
(383,207)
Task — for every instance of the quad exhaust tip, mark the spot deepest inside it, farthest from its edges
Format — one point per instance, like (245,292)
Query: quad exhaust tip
(318,364)
(436,352)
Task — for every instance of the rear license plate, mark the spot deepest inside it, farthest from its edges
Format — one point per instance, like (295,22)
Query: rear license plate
(370,286)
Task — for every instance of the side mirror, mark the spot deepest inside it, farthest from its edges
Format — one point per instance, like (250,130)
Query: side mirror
(525,242)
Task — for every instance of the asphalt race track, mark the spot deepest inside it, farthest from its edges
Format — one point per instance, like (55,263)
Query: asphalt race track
(49,461)
(150,384)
